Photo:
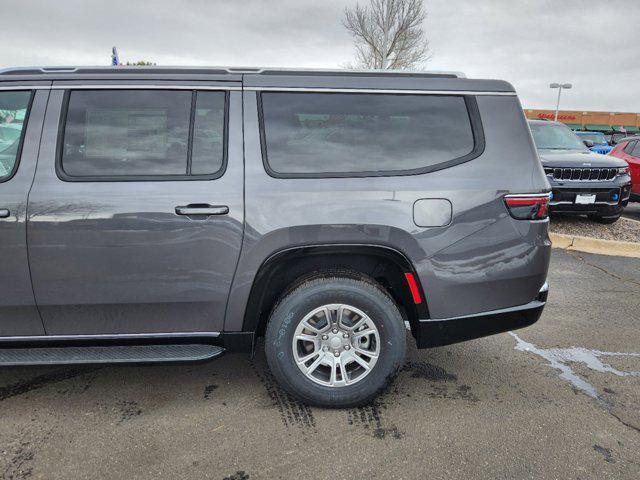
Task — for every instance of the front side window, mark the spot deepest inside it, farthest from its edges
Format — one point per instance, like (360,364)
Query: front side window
(596,138)
(143,133)
(345,133)
(13,117)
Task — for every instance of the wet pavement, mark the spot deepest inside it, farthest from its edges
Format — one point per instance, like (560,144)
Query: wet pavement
(560,399)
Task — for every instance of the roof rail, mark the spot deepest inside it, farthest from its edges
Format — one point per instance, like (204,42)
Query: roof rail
(123,69)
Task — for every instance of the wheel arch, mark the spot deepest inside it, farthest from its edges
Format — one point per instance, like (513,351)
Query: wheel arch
(284,269)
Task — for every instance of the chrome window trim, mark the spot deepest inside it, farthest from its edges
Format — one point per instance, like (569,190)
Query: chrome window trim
(142,86)
(25,87)
(376,90)
(528,195)
(138,86)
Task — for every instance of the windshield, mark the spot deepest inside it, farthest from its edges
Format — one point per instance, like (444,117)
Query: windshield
(594,137)
(555,137)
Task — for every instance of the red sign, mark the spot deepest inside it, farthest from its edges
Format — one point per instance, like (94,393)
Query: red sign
(551,116)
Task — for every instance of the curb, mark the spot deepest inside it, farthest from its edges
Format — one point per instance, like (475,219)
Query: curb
(595,245)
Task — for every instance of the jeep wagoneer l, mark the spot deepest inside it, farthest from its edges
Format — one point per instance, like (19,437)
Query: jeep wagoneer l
(170,214)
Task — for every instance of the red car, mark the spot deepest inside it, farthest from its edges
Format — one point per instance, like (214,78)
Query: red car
(628,149)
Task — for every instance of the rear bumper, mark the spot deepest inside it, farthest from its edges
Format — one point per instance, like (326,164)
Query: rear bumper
(439,332)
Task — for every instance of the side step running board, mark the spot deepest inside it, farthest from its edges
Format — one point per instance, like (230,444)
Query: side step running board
(108,354)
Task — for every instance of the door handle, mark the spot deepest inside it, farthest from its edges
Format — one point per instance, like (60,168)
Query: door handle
(202,209)
(4,213)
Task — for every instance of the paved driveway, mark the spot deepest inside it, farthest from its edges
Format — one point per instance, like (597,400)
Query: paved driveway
(632,211)
(558,400)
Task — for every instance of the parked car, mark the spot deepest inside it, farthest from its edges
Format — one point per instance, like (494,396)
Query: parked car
(614,138)
(629,150)
(583,182)
(595,141)
(176,213)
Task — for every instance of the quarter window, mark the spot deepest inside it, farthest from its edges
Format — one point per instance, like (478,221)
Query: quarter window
(143,133)
(343,133)
(13,118)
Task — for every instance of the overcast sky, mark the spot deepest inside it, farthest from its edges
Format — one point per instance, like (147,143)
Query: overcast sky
(593,44)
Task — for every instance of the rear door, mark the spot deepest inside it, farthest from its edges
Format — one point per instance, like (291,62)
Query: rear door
(21,114)
(136,213)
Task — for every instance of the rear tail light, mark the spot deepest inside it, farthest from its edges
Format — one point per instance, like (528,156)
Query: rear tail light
(528,206)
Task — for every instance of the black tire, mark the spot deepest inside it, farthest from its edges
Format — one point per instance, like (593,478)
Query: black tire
(361,293)
(604,220)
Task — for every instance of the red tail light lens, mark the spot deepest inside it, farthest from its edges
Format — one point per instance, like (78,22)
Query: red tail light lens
(528,207)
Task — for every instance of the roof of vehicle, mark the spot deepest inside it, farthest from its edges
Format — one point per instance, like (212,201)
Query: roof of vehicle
(629,139)
(260,77)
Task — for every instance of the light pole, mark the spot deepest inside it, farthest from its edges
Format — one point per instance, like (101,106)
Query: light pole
(559,86)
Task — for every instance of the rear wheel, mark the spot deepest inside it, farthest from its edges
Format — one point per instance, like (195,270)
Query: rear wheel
(604,220)
(335,341)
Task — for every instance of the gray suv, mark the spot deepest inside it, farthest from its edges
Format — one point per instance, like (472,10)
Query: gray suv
(171,214)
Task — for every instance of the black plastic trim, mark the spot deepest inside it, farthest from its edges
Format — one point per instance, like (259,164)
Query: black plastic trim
(62,175)
(23,133)
(437,333)
(238,342)
(474,120)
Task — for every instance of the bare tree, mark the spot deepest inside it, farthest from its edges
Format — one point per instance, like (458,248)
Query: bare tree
(388,34)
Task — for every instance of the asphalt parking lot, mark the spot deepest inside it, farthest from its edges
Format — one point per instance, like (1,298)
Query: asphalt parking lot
(558,400)
(632,211)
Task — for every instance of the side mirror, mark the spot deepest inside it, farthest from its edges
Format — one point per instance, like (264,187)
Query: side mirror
(588,143)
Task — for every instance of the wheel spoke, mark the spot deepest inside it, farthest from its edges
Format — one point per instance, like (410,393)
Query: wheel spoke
(327,313)
(359,323)
(305,359)
(313,328)
(363,333)
(311,368)
(343,369)
(361,361)
(334,371)
(307,338)
(368,353)
(339,314)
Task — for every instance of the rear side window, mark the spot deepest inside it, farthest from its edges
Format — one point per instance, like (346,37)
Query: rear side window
(143,134)
(319,134)
(628,148)
(636,150)
(13,117)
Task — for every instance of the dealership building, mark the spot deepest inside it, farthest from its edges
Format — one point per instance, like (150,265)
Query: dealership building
(606,122)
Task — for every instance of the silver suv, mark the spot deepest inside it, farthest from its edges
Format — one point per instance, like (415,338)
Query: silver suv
(170,214)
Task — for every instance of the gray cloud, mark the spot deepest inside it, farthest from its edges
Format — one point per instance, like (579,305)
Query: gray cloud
(594,44)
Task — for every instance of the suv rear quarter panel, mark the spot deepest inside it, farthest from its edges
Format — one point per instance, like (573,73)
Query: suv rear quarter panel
(483,260)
